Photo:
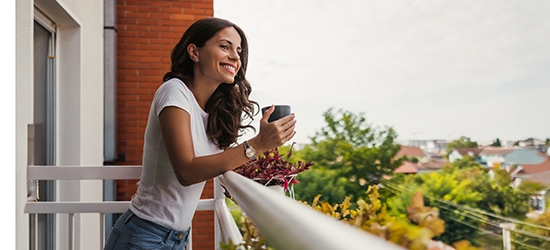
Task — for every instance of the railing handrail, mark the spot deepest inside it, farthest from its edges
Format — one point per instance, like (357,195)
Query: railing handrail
(102,207)
(289,224)
(114,172)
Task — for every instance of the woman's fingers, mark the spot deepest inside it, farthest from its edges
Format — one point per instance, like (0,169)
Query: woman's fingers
(278,132)
(268,113)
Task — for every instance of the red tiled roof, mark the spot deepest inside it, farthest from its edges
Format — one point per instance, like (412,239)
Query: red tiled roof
(410,151)
(406,168)
(467,151)
(433,164)
(542,178)
(496,151)
(543,155)
(535,168)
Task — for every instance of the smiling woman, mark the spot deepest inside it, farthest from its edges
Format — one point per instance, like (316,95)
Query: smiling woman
(191,135)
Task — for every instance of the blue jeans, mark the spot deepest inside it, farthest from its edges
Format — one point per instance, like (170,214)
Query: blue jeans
(132,232)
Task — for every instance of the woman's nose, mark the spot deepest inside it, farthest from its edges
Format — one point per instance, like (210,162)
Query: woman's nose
(234,55)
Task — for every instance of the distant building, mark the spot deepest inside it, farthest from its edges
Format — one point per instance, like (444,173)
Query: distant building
(459,153)
(430,146)
(412,152)
(427,162)
(508,157)
(533,143)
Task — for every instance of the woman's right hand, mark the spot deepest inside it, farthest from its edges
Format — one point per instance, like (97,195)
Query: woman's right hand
(275,133)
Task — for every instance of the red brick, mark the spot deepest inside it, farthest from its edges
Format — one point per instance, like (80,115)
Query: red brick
(138,66)
(160,3)
(182,4)
(137,15)
(172,10)
(150,10)
(137,28)
(150,59)
(182,17)
(147,22)
(138,40)
(151,34)
(206,6)
(193,11)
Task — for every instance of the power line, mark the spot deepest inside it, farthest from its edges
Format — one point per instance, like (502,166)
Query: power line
(474,209)
(493,234)
(518,231)
(465,212)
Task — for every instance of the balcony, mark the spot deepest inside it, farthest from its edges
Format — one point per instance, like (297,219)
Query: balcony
(284,222)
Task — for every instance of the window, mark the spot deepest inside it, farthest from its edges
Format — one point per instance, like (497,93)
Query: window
(42,227)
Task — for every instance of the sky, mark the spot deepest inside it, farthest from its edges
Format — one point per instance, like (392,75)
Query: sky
(429,69)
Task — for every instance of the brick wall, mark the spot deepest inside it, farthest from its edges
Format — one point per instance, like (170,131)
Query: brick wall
(147,30)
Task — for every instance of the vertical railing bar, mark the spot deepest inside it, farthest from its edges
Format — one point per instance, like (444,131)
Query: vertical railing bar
(218,194)
(71,233)
(33,231)
(190,243)
(102,230)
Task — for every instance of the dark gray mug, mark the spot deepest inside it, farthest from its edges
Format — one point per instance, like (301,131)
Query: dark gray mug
(280,112)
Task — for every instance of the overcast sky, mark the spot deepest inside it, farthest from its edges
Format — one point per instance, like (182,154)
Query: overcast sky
(430,69)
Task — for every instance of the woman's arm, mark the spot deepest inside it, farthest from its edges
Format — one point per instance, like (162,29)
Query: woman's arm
(176,131)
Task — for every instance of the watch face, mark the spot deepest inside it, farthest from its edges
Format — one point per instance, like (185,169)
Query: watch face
(250,153)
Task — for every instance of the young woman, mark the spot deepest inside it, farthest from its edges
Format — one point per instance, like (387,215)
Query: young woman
(191,135)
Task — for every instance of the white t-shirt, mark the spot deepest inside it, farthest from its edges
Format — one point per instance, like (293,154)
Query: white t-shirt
(160,198)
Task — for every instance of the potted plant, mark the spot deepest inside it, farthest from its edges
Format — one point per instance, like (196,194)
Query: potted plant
(274,169)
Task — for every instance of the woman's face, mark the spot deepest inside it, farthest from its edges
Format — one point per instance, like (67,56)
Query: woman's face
(219,58)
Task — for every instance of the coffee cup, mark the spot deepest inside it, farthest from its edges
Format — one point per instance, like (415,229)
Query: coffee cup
(279,112)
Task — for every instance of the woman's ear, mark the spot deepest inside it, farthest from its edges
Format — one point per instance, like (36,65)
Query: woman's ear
(193,52)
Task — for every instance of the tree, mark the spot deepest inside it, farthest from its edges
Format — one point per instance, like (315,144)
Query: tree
(496,143)
(440,189)
(459,190)
(355,150)
(320,181)
(523,239)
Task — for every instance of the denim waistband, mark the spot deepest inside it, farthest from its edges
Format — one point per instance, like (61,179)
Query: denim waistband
(166,233)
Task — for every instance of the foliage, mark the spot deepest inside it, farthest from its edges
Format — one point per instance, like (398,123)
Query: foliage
(440,188)
(464,162)
(357,151)
(522,237)
(422,224)
(446,190)
(530,187)
(499,197)
(496,143)
(273,168)
(321,181)
(462,142)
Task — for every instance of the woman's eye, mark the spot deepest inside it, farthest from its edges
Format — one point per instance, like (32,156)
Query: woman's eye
(224,47)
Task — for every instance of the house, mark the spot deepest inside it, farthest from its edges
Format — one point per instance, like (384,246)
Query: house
(536,173)
(533,172)
(412,152)
(429,146)
(459,153)
(423,163)
(493,156)
(533,143)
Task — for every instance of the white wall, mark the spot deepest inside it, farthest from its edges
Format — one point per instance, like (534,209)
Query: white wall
(454,155)
(79,107)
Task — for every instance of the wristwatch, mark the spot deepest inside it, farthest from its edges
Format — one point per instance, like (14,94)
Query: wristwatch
(249,151)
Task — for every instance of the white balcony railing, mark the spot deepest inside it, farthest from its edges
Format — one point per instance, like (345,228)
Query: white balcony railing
(285,223)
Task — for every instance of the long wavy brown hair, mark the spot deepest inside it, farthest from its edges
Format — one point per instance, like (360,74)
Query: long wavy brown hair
(229,104)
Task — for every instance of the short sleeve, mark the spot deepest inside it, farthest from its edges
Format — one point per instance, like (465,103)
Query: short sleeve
(172,93)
